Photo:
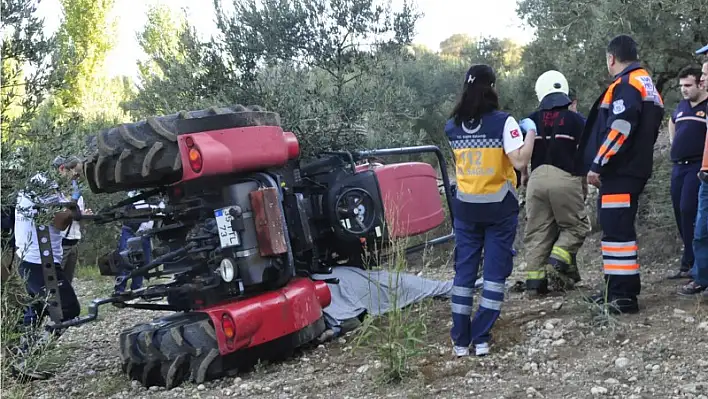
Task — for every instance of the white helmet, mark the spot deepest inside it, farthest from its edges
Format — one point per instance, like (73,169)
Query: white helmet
(551,82)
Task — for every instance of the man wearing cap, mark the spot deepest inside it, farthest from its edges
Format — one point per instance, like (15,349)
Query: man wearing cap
(36,200)
(618,147)
(70,168)
(557,222)
(700,234)
(687,132)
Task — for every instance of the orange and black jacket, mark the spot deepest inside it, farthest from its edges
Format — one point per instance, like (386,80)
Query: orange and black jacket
(622,127)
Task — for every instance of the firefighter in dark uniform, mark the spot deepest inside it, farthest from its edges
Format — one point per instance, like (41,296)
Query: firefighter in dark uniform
(618,145)
(488,147)
(557,223)
(687,132)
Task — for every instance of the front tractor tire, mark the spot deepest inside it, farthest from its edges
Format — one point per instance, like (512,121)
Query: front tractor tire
(172,350)
(145,154)
(182,348)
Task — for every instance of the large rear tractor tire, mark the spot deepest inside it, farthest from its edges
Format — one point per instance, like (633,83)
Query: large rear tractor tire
(145,154)
(172,350)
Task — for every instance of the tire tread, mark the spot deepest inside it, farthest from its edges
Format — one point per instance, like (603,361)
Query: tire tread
(145,154)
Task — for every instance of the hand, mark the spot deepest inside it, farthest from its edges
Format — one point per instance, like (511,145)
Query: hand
(87,212)
(527,124)
(525,178)
(594,179)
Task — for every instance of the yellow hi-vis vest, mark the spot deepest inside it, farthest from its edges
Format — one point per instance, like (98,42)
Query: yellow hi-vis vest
(484,172)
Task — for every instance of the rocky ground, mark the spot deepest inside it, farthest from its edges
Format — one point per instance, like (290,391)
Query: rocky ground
(552,348)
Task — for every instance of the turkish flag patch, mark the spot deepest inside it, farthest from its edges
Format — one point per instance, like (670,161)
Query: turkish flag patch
(515,133)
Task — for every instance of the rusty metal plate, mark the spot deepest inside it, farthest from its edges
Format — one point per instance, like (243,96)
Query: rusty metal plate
(268,218)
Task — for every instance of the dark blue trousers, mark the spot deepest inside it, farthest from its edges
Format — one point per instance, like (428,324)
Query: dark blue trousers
(700,240)
(617,205)
(684,197)
(136,282)
(496,239)
(34,284)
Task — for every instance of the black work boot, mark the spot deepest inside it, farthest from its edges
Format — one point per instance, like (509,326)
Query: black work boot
(615,305)
(536,289)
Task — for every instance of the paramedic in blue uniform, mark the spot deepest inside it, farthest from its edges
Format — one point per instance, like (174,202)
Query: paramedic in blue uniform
(687,133)
(489,147)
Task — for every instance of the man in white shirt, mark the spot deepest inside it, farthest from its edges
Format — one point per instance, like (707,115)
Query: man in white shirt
(42,192)
(70,168)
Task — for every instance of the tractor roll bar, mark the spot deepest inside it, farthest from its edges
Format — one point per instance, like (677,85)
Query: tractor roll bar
(443,171)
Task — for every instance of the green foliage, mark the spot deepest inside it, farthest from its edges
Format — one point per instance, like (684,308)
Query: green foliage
(397,338)
(311,61)
(572,37)
(28,65)
(84,39)
(335,36)
(161,39)
(179,79)
(338,44)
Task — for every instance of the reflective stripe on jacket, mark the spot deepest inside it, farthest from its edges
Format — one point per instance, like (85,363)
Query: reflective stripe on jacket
(623,126)
(484,172)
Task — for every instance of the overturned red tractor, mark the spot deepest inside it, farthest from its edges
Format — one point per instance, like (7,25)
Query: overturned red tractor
(244,226)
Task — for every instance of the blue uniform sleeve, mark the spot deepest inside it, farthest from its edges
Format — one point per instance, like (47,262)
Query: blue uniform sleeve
(624,114)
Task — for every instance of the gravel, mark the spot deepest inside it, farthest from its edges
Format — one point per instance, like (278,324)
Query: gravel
(540,350)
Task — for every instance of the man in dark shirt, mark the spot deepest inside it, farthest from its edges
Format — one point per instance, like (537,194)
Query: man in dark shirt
(687,133)
(699,272)
(557,223)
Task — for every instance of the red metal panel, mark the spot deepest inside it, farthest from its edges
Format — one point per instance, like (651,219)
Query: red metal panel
(271,315)
(411,198)
(238,150)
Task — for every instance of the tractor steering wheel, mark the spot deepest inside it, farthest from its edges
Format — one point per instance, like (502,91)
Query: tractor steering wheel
(354,211)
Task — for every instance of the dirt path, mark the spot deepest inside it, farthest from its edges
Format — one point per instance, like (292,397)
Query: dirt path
(542,349)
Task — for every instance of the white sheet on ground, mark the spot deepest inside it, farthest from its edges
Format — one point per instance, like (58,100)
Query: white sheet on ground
(376,292)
